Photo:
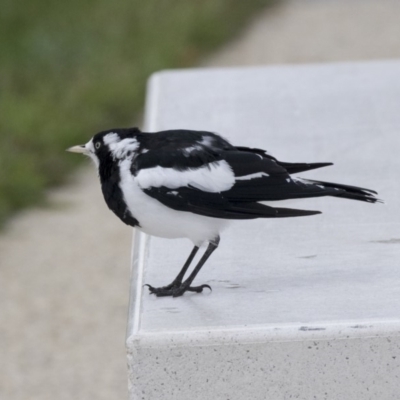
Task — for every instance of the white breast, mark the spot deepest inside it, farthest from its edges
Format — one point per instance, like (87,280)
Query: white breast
(158,220)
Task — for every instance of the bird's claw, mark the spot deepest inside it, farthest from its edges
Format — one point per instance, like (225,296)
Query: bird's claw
(175,290)
(154,290)
(171,286)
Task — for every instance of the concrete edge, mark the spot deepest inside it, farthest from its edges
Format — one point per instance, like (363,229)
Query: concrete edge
(153,80)
(262,334)
(140,239)
(139,254)
(151,101)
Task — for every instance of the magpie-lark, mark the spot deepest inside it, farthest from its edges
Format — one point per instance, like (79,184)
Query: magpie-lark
(189,184)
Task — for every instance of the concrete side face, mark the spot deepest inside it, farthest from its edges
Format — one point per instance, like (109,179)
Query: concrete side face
(363,368)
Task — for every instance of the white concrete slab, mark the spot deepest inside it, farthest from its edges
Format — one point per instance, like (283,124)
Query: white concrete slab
(284,291)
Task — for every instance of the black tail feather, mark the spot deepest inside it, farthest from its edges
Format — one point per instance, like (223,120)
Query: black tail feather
(294,168)
(350,192)
(257,210)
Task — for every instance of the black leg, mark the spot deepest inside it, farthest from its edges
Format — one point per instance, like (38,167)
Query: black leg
(178,280)
(211,247)
(185,286)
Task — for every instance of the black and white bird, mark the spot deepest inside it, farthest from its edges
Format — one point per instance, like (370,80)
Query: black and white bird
(190,184)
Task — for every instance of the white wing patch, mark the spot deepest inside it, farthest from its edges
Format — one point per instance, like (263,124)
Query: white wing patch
(251,176)
(213,177)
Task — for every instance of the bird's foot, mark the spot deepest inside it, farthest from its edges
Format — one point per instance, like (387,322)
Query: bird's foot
(176,289)
(173,285)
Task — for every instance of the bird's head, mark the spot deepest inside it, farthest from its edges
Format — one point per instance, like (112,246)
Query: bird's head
(110,145)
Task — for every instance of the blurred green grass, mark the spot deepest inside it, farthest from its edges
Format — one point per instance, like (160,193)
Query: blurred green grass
(70,69)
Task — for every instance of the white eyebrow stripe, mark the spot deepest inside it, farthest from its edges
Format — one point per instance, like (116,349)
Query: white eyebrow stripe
(251,176)
(213,177)
(121,149)
(110,138)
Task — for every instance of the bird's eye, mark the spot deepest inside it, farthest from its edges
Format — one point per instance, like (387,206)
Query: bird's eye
(97,145)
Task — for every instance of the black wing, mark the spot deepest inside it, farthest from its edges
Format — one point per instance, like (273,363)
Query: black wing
(291,168)
(202,173)
(164,169)
(261,178)
(217,206)
(180,149)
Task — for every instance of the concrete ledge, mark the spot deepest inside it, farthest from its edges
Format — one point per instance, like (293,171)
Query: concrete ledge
(330,362)
(301,308)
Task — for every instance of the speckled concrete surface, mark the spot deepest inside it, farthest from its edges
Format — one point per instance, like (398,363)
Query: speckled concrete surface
(64,270)
(229,371)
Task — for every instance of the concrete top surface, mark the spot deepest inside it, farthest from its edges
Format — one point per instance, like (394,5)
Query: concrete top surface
(341,266)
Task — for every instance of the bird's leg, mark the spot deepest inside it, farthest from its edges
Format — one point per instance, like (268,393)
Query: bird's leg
(177,282)
(198,289)
(185,286)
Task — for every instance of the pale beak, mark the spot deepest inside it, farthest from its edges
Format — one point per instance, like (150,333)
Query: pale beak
(78,149)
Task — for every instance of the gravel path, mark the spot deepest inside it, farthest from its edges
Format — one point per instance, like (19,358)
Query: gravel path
(65,269)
